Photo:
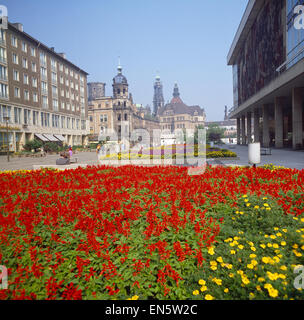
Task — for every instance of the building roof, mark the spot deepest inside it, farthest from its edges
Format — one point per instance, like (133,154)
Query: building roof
(177,106)
(59,56)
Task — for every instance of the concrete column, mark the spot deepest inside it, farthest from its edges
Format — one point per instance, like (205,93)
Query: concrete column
(266,137)
(256,125)
(278,114)
(238,128)
(297,118)
(243,129)
(249,128)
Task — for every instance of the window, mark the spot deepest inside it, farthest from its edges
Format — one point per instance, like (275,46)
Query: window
(77,124)
(91,118)
(63,122)
(35,97)
(15,58)
(43,73)
(25,79)
(119,117)
(54,91)
(42,58)
(6,112)
(26,95)
(24,46)
(83,125)
(24,63)
(35,118)
(73,123)
(67,71)
(2,35)
(17,92)
(72,85)
(17,115)
(71,73)
(14,41)
(55,104)
(62,92)
(62,105)
(68,123)
(54,77)
(68,106)
(27,116)
(16,75)
(34,67)
(2,54)
(54,64)
(67,83)
(67,94)
(45,119)
(101,118)
(126,117)
(44,101)
(55,121)
(33,52)
(61,80)
(73,108)
(34,82)
(76,87)
(61,67)
(44,87)
(3,73)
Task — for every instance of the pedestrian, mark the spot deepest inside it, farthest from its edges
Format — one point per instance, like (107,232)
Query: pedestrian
(70,152)
(98,149)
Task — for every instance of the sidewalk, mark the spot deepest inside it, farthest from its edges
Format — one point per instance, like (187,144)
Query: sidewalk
(280,157)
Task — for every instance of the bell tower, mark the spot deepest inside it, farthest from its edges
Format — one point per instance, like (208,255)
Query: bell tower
(120,85)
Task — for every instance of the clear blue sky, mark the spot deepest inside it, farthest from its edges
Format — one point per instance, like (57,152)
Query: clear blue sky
(186,40)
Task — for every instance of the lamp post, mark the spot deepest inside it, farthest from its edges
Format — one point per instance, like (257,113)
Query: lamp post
(6,118)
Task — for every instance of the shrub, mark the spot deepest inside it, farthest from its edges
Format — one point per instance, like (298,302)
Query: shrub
(32,145)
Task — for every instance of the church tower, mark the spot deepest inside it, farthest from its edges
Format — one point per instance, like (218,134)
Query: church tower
(120,85)
(158,100)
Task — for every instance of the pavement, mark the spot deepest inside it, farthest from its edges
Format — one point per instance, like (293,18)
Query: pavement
(285,158)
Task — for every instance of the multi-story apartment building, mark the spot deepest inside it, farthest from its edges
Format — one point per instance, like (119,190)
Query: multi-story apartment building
(43,94)
(267,58)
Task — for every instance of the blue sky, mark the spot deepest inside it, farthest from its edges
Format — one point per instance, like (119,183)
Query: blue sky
(187,41)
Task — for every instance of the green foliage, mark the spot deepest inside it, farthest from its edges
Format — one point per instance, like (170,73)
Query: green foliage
(33,145)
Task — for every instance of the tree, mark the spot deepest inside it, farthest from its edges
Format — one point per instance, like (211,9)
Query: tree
(215,133)
(33,145)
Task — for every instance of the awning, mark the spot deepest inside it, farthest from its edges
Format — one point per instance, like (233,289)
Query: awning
(41,137)
(50,137)
(60,137)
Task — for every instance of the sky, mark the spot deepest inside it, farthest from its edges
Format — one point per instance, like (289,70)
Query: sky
(184,41)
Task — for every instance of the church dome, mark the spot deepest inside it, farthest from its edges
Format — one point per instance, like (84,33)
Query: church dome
(120,78)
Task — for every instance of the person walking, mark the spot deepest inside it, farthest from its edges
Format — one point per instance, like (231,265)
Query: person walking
(70,152)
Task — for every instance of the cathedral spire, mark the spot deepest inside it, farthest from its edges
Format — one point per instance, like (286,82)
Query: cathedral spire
(158,101)
(176,91)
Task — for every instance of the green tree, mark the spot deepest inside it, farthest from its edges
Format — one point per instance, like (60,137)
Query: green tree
(215,133)
(33,145)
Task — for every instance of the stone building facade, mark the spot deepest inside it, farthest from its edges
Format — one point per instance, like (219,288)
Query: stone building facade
(42,94)
(96,90)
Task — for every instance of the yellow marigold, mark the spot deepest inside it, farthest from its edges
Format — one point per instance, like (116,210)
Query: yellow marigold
(261,279)
(202,282)
(226,290)
(275,245)
(196,293)
(250,266)
(273,236)
(262,246)
(265,259)
(232,252)
(204,288)
(295,246)
(245,280)
(254,263)
(253,249)
(220,260)
(217,281)
(284,230)
(273,293)
(251,295)
(209,297)
(284,268)
(279,234)
(211,251)
(231,275)
(241,247)
(283,243)
(252,256)
(135,298)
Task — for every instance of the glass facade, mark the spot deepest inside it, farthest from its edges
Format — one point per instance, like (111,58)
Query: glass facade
(295,37)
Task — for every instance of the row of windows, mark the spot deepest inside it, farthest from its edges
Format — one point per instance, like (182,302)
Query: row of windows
(43,57)
(19,115)
(172,119)
(178,126)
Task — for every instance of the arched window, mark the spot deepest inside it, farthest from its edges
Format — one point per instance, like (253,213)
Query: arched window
(125,103)
(126,117)
(119,103)
(118,91)
(124,91)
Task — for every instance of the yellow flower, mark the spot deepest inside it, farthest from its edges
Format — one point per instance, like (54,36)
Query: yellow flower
(276,246)
(253,249)
(211,251)
(202,282)
(135,298)
(265,260)
(256,207)
(269,245)
(232,252)
(250,266)
(259,288)
(231,275)
(254,263)
(226,290)
(262,246)
(220,260)
(245,280)
(217,281)
(246,200)
(284,268)
(251,295)
(209,297)
(279,234)
(273,293)
(261,279)
(248,204)
(273,236)
(245,196)
(241,247)
(252,256)
(196,293)
(284,230)
(295,246)
(283,243)
(204,288)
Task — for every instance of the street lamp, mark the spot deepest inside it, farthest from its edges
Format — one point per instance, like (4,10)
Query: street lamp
(6,118)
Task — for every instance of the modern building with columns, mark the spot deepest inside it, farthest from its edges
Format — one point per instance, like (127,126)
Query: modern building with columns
(42,94)
(268,75)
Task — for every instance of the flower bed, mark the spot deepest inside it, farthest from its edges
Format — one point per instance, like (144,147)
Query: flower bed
(152,233)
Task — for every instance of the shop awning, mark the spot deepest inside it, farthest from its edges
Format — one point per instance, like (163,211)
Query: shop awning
(60,137)
(41,137)
(50,137)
